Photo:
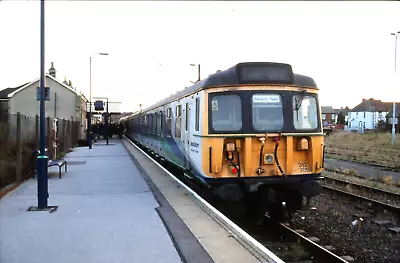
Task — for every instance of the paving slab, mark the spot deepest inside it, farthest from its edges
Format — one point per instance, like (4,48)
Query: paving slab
(106,213)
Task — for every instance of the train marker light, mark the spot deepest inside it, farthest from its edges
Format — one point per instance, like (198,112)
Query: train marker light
(302,144)
(234,170)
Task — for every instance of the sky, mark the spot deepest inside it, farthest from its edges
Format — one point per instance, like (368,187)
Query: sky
(345,46)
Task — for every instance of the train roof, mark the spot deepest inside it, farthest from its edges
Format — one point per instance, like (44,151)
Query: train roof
(245,73)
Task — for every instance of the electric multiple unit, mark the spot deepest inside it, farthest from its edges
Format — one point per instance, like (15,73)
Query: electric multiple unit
(251,132)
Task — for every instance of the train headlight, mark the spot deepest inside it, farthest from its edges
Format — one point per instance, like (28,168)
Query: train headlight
(268,159)
(230,147)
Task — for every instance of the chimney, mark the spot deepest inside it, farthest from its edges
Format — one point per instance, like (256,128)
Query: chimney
(52,70)
(65,81)
(70,83)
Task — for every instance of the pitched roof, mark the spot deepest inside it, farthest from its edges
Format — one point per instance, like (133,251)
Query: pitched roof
(371,105)
(4,92)
(327,110)
(19,88)
(342,110)
(397,109)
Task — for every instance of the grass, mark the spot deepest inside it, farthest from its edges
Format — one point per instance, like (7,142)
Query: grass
(61,155)
(371,148)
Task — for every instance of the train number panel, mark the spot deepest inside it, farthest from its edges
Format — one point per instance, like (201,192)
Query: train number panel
(301,168)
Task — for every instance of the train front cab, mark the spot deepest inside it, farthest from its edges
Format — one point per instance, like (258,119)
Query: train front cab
(263,141)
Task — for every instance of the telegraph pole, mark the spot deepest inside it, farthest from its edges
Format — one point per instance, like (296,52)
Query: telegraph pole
(42,158)
(395,83)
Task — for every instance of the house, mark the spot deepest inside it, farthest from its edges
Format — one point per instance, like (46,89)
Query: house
(328,116)
(64,101)
(82,111)
(367,115)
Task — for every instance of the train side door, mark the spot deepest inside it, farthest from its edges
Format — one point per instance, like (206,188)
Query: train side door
(186,133)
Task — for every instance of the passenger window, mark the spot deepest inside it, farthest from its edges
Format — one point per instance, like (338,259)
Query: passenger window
(178,121)
(197,126)
(169,121)
(187,117)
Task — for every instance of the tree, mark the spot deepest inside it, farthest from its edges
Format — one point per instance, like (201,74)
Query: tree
(341,118)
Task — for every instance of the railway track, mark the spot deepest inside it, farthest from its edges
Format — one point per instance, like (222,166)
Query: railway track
(291,245)
(387,200)
(377,206)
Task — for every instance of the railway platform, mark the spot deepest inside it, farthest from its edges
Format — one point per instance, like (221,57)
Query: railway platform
(113,205)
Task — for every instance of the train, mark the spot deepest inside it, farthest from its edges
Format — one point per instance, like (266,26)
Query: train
(250,134)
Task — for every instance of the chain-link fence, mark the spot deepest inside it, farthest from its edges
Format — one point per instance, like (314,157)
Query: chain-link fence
(20,137)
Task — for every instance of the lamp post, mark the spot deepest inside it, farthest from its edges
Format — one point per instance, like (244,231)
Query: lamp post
(198,70)
(395,82)
(42,158)
(90,135)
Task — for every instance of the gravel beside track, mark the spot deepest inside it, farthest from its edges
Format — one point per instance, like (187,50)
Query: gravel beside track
(330,218)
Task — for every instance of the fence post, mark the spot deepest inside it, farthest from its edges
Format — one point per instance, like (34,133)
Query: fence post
(37,132)
(47,133)
(73,133)
(65,136)
(19,150)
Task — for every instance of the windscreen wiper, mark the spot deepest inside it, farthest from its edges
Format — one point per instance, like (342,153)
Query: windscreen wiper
(298,101)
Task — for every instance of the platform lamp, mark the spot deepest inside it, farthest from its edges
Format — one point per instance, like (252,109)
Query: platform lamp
(90,137)
(395,82)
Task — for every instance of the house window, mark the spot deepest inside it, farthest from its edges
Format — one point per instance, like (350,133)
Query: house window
(333,117)
(323,116)
(364,114)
